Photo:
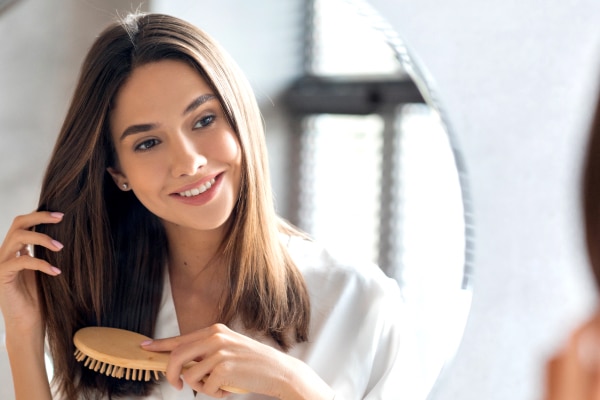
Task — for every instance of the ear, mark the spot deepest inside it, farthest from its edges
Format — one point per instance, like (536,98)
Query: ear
(118,177)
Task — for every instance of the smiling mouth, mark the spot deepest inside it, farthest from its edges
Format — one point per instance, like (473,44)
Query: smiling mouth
(199,190)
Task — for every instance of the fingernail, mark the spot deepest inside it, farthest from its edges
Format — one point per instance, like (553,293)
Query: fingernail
(56,270)
(146,342)
(57,244)
(56,214)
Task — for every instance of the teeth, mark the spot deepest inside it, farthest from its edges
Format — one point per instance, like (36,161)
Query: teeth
(196,191)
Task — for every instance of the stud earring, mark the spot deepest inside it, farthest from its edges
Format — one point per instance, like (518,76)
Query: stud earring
(124,186)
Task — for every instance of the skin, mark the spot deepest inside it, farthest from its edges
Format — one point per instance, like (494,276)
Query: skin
(574,371)
(170,134)
(20,306)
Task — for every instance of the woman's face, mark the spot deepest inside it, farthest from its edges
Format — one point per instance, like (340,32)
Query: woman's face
(175,147)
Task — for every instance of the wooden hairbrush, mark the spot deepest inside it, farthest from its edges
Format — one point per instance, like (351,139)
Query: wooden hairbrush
(117,353)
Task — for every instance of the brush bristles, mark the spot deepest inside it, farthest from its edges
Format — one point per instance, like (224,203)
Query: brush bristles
(114,370)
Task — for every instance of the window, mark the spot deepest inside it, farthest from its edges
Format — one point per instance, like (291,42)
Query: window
(357,112)
(377,176)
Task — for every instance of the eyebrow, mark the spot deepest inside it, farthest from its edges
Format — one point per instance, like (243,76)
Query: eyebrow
(198,102)
(140,128)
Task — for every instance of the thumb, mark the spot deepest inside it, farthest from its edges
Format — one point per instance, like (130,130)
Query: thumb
(168,344)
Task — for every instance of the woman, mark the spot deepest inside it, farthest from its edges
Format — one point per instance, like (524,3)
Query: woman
(156,216)
(574,372)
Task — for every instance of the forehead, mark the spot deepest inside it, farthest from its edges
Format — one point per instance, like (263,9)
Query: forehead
(159,86)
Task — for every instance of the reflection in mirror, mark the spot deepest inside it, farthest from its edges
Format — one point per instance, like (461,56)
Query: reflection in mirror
(377,151)
(378,159)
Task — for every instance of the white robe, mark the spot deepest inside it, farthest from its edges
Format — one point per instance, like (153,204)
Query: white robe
(356,338)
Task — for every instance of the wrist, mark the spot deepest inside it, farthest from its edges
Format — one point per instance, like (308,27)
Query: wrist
(21,327)
(29,341)
(28,365)
(303,383)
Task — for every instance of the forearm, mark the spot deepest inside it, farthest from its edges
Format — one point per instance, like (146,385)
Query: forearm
(26,355)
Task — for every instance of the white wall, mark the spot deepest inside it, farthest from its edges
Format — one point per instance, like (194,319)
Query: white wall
(518,79)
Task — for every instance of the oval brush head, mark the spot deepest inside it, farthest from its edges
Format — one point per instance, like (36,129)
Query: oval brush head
(117,353)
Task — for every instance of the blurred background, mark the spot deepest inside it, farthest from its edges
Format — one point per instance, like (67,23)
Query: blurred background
(452,158)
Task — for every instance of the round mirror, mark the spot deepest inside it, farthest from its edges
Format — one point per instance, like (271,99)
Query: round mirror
(369,166)
(380,175)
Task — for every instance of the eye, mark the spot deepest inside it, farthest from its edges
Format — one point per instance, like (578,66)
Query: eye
(204,121)
(146,145)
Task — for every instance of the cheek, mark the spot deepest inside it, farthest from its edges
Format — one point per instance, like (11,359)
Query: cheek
(230,150)
(232,155)
(139,172)
(225,150)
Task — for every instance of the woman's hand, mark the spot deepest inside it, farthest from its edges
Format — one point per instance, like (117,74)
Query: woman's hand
(225,358)
(574,372)
(18,293)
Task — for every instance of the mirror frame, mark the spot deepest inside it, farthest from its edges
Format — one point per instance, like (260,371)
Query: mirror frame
(413,67)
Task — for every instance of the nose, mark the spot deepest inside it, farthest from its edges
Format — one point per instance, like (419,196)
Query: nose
(186,158)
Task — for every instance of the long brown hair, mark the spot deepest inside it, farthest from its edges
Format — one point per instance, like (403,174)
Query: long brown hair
(115,250)
(591,195)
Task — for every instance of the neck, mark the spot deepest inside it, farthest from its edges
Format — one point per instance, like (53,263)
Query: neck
(198,275)
(194,260)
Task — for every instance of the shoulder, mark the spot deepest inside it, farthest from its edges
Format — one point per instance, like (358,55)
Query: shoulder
(332,277)
(354,305)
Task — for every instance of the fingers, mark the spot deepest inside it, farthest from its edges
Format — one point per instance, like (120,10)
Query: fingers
(565,379)
(574,372)
(170,344)
(167,345)
(199,358)
(30,220)
(23,239)
(553,381)
(11,268)
(19,241)
(212,377)
(587,345)
(20,237)
(189,361)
